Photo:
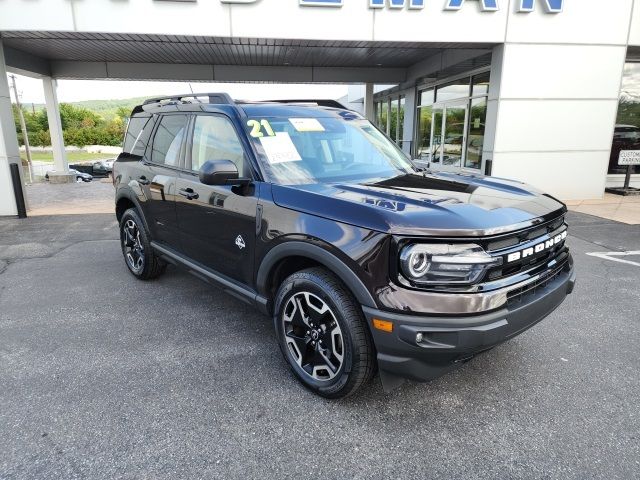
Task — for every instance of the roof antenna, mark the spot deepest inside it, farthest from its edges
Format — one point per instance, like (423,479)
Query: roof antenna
(190,87)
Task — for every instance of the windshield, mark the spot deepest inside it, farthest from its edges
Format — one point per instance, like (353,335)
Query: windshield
(325,150)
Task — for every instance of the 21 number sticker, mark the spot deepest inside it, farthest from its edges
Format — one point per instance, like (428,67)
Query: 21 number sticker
(257,127)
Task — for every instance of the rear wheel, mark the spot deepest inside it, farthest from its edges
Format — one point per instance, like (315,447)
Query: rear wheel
(140,258)
(322,333)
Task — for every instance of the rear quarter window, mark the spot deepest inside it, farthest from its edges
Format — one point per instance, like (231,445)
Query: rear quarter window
(137,136)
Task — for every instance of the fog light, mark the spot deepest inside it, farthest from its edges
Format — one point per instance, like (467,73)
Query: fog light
(419,338)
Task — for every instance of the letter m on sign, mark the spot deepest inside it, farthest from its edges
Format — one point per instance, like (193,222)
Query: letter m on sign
(550,6)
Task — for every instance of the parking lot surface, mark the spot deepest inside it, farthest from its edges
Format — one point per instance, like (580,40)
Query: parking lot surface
(104,376)
(70,198)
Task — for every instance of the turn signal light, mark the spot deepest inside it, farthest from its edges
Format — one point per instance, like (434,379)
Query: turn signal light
(383,325)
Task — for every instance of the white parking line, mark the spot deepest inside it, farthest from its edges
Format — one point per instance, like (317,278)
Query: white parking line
(612,256)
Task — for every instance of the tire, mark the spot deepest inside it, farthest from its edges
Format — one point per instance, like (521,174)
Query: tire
(322,333)
(79,180)
(135,242)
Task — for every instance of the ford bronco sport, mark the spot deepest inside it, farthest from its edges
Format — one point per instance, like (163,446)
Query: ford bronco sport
(364,260)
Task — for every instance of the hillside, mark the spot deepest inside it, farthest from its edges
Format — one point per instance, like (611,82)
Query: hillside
(105,108)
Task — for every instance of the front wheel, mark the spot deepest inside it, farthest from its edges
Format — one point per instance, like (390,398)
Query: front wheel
(322,333)
(140,258)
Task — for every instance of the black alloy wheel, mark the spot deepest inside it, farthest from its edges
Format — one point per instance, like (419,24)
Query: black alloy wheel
(140,258)
(322,333)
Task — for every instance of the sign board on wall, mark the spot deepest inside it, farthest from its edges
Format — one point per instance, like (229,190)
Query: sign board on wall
(524,6)
(629,157)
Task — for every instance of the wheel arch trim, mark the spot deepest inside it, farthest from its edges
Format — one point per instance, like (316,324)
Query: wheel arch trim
(313,252)
(125,194)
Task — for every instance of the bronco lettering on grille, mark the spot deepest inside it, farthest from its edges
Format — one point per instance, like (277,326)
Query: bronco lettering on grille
(540,247)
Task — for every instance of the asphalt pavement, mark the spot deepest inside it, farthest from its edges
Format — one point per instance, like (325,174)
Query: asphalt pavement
(103,376)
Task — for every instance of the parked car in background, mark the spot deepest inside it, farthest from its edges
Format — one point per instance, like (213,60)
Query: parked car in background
(96,169)
(109,163)
(102,169)
(80,176)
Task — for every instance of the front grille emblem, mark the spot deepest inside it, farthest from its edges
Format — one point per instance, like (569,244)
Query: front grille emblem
(540,247)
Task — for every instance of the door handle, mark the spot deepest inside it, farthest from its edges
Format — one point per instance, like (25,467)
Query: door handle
(143,180)
(188,193)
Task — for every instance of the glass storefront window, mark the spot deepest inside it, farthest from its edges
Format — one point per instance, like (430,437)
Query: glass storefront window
(393,121)
(423,150)
(451,119)
(383,124)
(626,135)
(453,90)
(475,138)
(453,140)
(426,98)
(480,85)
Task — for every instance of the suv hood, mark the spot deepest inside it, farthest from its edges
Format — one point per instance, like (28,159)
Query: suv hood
(445,204)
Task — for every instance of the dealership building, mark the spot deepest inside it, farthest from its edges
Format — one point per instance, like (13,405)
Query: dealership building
(543,91)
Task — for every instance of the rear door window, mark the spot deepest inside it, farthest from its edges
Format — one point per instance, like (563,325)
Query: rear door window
(168,139)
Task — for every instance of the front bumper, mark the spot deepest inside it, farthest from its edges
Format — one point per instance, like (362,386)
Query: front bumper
(449,341)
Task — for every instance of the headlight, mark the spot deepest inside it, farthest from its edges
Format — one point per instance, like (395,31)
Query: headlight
(431,264)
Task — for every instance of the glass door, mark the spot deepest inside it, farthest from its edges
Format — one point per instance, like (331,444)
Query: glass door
(436,135)
(448,136)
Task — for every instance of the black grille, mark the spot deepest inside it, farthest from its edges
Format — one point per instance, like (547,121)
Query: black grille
(510,243)
(520,294)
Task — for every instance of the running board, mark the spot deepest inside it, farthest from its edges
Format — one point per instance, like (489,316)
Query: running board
(226,284)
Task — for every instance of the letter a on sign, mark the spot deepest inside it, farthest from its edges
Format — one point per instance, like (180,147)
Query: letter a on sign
(550,6)
(485,5)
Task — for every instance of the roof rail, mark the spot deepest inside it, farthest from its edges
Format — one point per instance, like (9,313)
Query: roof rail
(320,103)
(215,98)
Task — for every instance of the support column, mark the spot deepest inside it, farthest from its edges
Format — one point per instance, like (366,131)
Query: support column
(553,97)
(409,121)
(554,132)
(9,151)
(61,165)
(369,111)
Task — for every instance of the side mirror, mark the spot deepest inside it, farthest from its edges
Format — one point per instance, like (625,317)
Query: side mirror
(218,172)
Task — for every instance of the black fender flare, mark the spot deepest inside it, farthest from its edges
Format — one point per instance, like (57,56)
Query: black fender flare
(320,255)
(127,193)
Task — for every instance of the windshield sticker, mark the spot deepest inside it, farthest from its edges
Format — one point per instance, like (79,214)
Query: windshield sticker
(257,127)
(306,124)
(279,148)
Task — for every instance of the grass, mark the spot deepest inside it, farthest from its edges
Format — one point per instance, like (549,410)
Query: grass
(72,157)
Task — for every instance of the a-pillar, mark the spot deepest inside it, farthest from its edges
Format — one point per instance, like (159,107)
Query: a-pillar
(9,151)
(61,166)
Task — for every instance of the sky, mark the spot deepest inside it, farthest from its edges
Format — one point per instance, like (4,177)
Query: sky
(30,90)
